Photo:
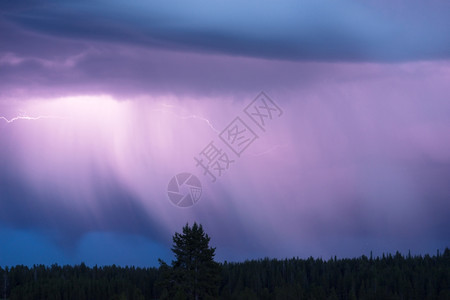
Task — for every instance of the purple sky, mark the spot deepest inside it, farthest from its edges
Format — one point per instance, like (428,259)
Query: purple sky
(101,104)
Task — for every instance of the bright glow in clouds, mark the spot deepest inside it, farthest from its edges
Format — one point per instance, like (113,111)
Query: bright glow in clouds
(125,137)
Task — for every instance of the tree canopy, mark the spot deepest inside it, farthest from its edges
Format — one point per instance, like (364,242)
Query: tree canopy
(194,274)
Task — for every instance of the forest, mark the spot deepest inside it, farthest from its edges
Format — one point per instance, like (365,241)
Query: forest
(195,275)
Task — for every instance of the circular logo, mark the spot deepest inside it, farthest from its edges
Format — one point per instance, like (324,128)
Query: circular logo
(184,189)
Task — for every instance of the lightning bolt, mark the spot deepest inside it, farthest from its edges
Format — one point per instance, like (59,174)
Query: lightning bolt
(25,117)
(187,117)
(202,119)
(270,150)
(162,110)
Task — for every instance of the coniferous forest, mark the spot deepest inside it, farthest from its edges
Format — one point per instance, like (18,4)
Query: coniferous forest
(194,275)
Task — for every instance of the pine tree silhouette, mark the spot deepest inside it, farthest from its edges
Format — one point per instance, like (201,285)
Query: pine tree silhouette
(194,273)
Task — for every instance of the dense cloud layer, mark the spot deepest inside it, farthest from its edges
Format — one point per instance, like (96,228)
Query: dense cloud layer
(306,30)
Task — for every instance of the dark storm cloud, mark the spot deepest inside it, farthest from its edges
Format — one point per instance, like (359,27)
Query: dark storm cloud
(71,66)
(292,30)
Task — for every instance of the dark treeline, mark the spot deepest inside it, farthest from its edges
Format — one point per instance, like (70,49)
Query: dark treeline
(386,277)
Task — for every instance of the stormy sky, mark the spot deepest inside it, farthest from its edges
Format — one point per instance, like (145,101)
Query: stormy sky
(103,102)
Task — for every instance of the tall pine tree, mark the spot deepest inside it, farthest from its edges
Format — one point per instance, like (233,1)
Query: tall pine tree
(194,273)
